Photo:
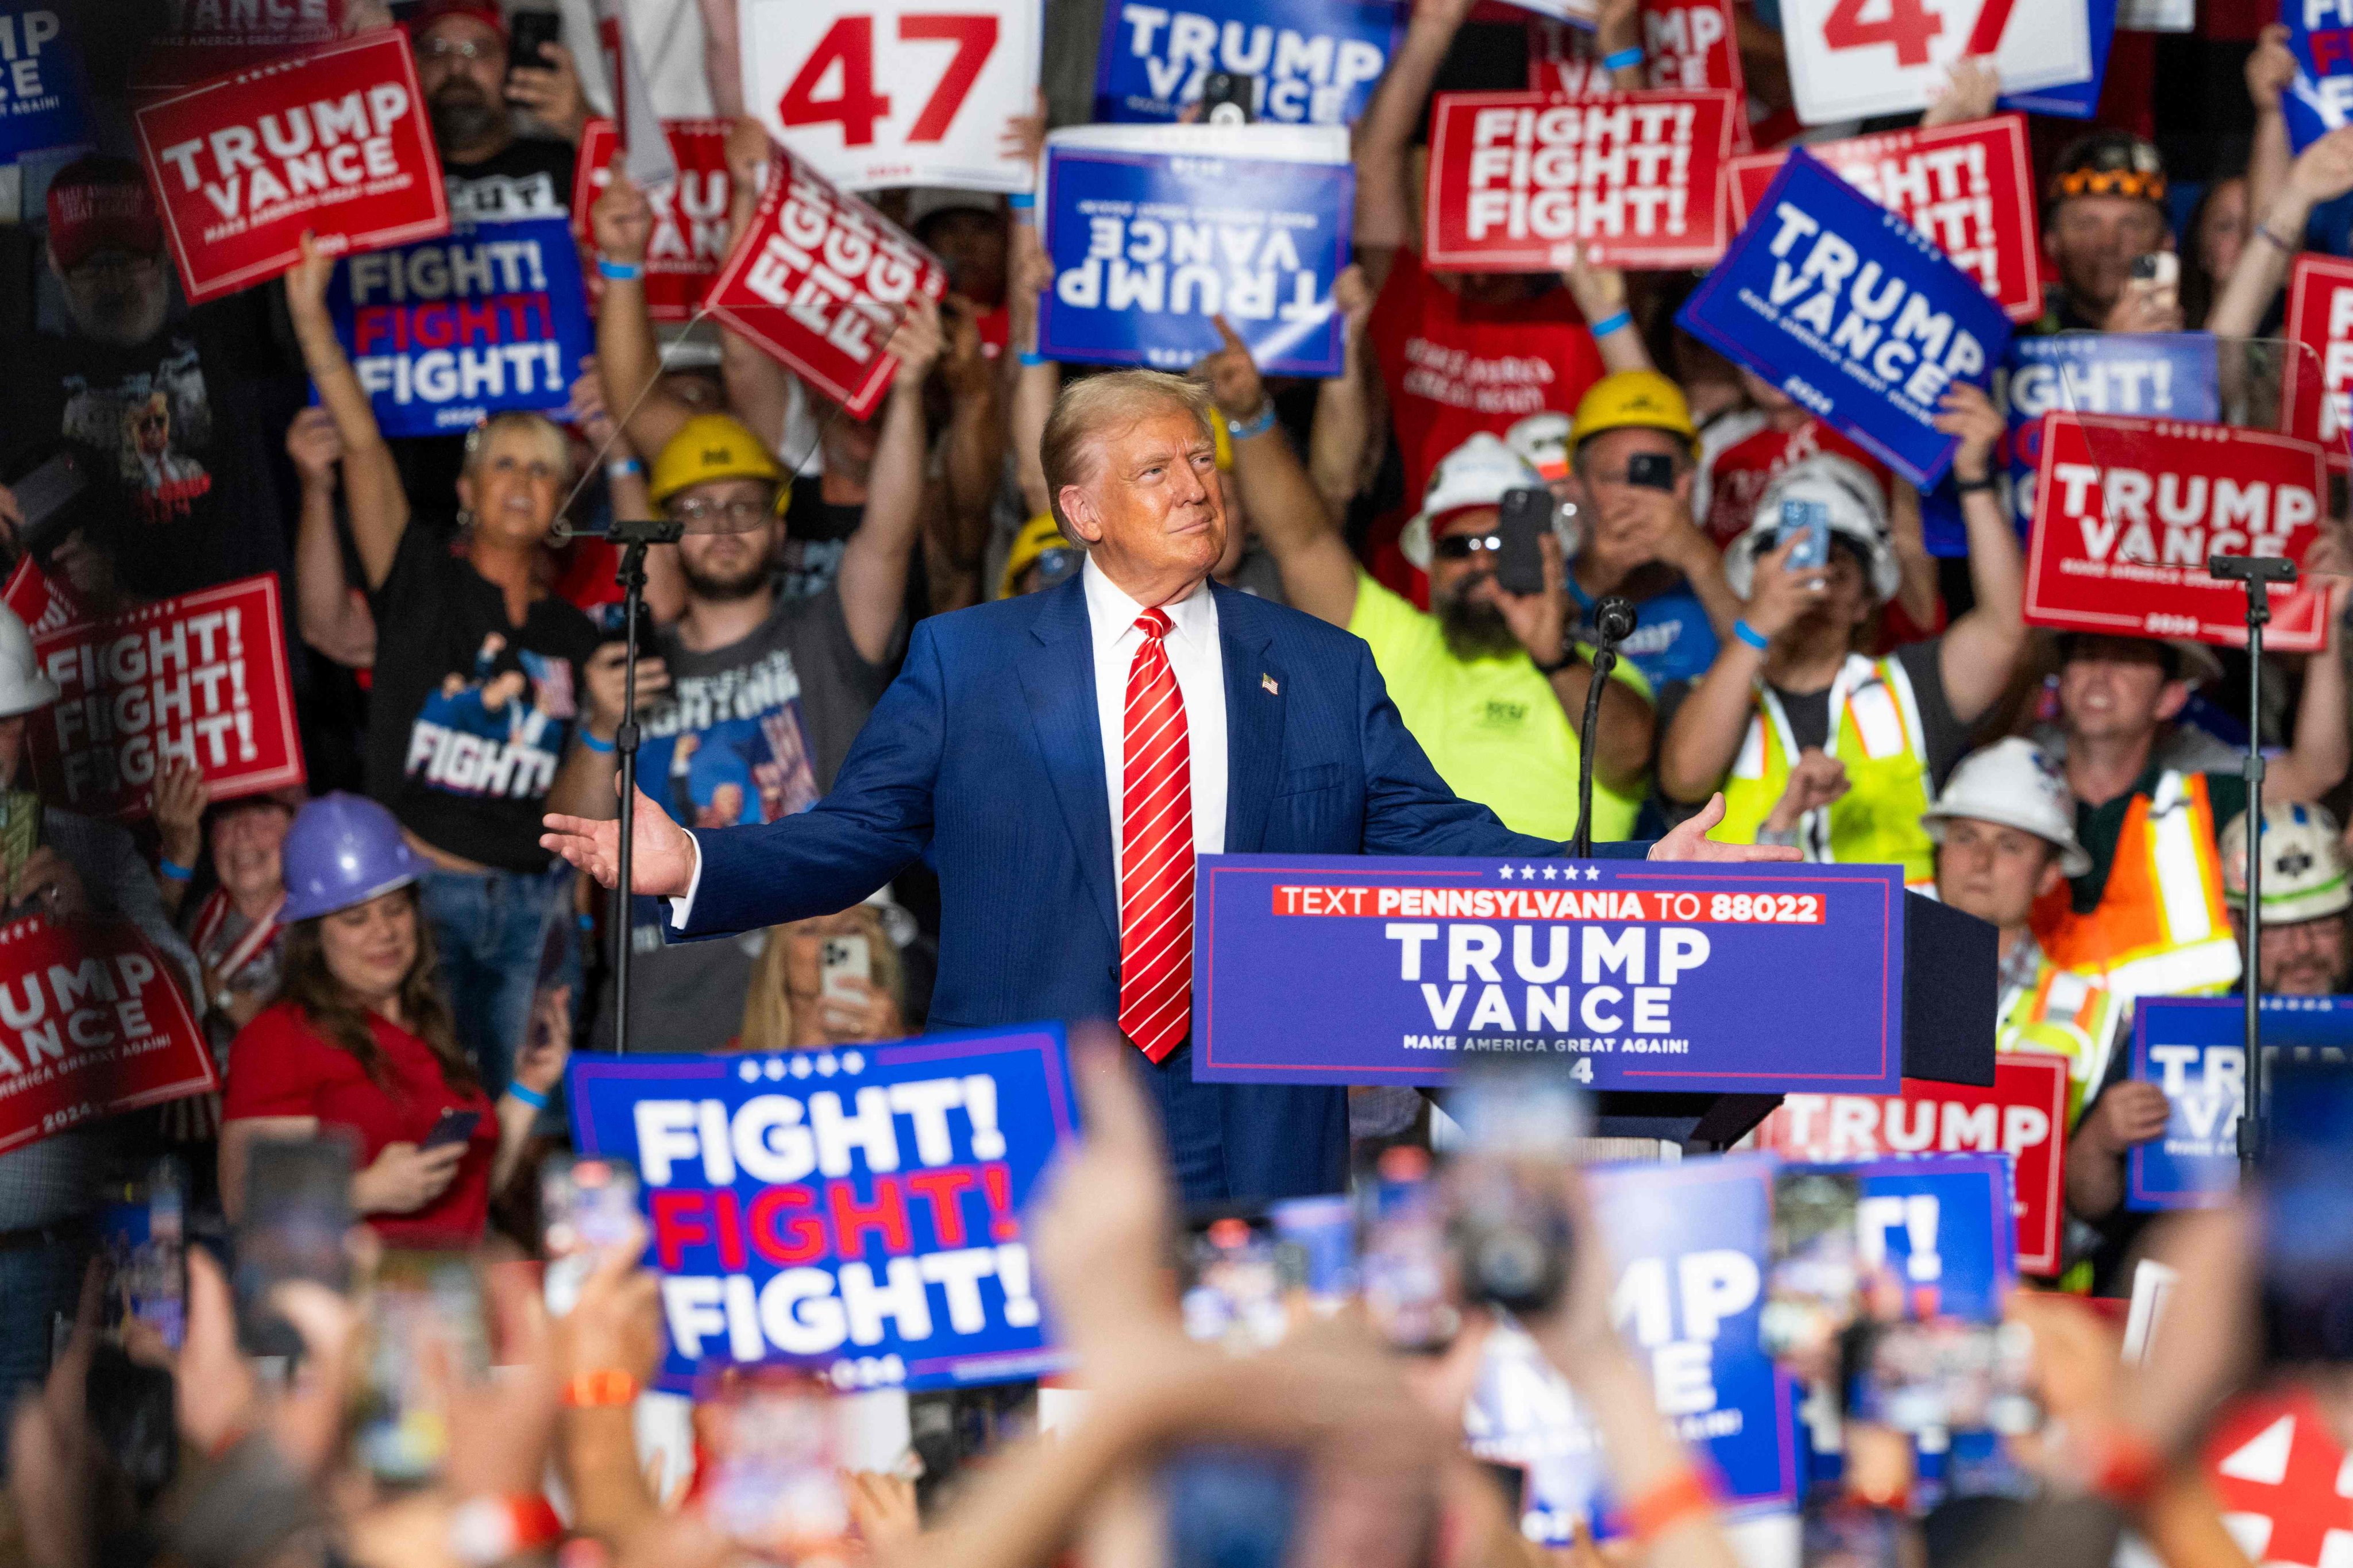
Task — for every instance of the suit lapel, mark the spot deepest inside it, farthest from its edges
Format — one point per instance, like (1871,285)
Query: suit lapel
(1057,669)
(1254,688)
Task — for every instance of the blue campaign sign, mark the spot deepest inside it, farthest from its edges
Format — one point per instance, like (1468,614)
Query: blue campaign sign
(2320,99)
(2075,100)
(1942,1224)
(1154,232)
(1378,969)
(1850,310)
(1311,62)
(2174,375)
(856,1210)
(42,93)
(442,334)
(1688,1242)
(2195,1050)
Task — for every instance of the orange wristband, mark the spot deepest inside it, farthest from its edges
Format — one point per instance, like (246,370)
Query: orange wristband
(591,1389)
(1681,1496)
(2129,1469)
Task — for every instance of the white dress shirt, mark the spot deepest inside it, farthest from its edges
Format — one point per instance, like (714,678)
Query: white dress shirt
(1199,663)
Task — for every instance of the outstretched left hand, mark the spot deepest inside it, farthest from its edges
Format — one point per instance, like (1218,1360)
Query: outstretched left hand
(1691,842)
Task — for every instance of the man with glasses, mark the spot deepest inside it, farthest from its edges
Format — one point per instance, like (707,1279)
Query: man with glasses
(750,700)
(1491,683)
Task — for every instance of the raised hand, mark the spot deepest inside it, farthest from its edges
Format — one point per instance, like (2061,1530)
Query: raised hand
(662,859)
(621,220)
(1235,386)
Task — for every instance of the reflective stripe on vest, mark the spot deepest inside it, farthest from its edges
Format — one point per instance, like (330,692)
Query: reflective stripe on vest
(2160,928)
(2066,1013)
(1874,729)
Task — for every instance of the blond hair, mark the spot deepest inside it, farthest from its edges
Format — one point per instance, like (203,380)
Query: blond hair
(478,440)
(768,1006)
(1088,410)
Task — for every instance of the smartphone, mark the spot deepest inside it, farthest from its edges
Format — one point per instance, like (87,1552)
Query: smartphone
(2306,1206)
(1510,1234)
(1231,1508)
(527,32)
(453,1126)
(1527,517)
(843,959)
(427,1332)
(1813,1279)
(143,1237)
(776,1453)
(1948,1375)
(1240,1283)
(2162,267)
(1403,1265)
(1810,521)
(1651,471)
(1838,1530)
(297,1213)
(585,1205)
(1226,98)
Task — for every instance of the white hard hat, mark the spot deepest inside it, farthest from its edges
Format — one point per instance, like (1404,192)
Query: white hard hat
(1542,440)
(23,688)
(2304,863)
(1858,513)
(2013,784)
(1480,472)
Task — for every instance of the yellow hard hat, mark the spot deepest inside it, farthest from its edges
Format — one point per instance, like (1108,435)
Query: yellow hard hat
(1632,400)
(1224,442)
(715,446)
(1038,536)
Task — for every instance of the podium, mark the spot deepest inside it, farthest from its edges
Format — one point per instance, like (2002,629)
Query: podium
(1690,996)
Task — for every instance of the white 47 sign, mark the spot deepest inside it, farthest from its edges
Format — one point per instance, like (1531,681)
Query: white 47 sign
(1853,59)
(894,92)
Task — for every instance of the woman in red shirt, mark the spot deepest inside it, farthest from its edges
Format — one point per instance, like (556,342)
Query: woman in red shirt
(361,1038)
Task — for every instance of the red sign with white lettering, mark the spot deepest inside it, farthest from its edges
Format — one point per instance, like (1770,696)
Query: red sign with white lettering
(205,38)
(819,279)
(1690,46)
(2317,382)
(1970,188)
(2280,1476)
(1519,182)
(2128,509)
(91,1025)
(689,242)
(2023,1115)
(335,142)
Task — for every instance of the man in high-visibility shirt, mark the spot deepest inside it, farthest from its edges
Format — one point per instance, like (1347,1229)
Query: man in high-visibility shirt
(2148,916)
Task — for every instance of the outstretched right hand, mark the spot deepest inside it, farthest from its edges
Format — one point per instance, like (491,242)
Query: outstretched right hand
(661,861)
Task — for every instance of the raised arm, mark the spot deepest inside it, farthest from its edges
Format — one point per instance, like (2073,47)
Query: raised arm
(330,618)
(377,506)
(874,562)
(2270,71)
(628,361)
(2321,172)
(759,389)
(971,461)
(1319,575)
(1600,296)
(2316,763)
(1385,199)
(1982,648)
(1342,433)
(1031,389)
(1700,744)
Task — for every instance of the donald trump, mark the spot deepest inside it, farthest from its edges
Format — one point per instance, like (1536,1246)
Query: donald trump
(1066,754)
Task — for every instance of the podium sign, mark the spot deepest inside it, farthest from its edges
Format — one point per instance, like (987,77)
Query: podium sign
(1650,975)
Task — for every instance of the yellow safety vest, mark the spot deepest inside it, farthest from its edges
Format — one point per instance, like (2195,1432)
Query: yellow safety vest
(1876,731)
(2159,929)
(2067,1015)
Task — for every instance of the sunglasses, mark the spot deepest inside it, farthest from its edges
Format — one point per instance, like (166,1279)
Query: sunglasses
(1463,546)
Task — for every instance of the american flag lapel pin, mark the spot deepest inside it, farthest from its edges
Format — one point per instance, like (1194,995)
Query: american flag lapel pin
(1269,683)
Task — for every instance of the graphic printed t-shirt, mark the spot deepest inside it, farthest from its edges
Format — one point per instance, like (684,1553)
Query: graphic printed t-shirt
(1453,368)
(1493,728)
(469,714)
(1674,639)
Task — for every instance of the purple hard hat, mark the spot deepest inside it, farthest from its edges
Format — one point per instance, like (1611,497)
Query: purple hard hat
(343,849)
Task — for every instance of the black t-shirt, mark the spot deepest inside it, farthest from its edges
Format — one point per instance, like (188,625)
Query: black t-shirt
(816,531)
(469,714)
(179,435)
(530,177)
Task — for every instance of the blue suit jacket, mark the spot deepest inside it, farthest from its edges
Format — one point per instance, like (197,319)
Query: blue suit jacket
(989,749)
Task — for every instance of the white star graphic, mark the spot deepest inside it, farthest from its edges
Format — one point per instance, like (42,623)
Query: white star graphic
(1548,873)
(1505,872)
(1593,873)
(1527,873)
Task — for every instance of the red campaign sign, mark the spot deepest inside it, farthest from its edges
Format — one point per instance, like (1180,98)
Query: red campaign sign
(2128,509)
(1970,188)
(2023,1115)
(819,279)
(1518,181)
(2281,1478)
(335,142)
(91,1024)
(211,37)
(1690,46)
(689,242)
(2316,387)
(201,678)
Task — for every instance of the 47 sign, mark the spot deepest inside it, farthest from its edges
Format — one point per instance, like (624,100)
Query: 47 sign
(873,93)
(1853,58)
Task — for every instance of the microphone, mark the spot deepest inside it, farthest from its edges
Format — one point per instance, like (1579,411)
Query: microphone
(619,531)
(1613,622)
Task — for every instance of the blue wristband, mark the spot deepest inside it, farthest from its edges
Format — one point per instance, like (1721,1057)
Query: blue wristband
(1750,634)
(530,1096)
(1614,321)
(1631,55)
(1021,200)
(1031,357)
(1258,426)
(173,871)
(619,271)
(592,742)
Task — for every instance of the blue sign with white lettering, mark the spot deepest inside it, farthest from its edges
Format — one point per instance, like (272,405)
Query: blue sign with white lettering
(1690,1244)
(857,1210)
(42,93)
(2320,99)
(2195,1050)
(2074,100)
(1945,1226)
(1310,62)
(489,318)
(2172,375)
(1149,245)
(1374,968)
(1853,311)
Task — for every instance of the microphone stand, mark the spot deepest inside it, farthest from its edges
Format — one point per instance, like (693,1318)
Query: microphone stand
(1613,622)
(2257,572)
(633,537)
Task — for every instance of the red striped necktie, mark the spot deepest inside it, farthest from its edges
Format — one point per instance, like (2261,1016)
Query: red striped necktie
(1155,920)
